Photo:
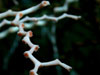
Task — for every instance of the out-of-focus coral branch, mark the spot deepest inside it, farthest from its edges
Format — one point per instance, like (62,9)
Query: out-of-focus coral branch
(63,8)
(52,37)
(10,53)
(15,2)
(6,32)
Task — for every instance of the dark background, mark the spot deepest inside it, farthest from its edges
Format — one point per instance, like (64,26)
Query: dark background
(77,41)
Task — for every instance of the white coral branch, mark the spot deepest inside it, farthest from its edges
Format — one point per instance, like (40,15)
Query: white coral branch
(24,12)
(45,17)
(39,64)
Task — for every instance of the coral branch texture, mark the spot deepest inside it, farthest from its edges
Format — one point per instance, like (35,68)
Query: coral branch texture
(19,24)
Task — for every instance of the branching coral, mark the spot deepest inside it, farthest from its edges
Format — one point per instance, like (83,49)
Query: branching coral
(19,25)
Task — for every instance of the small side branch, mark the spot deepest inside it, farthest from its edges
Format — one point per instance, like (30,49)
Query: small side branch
(57,62)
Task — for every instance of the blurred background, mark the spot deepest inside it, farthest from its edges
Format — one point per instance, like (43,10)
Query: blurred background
(76,43)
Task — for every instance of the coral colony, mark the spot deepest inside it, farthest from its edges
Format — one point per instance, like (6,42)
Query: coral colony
(19,24)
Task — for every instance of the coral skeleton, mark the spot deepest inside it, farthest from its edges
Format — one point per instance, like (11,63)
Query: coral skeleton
(19,24)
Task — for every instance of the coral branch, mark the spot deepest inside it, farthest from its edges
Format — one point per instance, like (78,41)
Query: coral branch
(39,64)
(24,12)
(57,62)
(45,17)
(8,13)
(4,22)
